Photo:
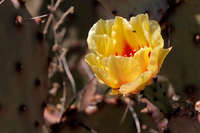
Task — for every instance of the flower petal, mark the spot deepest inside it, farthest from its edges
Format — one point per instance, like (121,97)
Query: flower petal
(155,62)
(93,60)
(162,55)
(104,45)
(103,27)
(140,24)
(155,34)
(99,38)
(137,85)
(122,33)
(126,69)
(156,59)
(102,75)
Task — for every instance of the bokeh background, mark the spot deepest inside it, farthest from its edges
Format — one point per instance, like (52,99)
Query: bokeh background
(180,24)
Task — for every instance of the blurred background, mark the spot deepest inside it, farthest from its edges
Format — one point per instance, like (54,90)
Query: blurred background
(179,77)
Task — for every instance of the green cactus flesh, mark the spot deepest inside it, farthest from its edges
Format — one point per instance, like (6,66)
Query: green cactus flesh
(23,71)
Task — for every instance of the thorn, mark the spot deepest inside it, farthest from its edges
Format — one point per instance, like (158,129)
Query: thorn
(155,99)
(40,36)
(154,90)
(131,15)
(37,82)
(23,108)
(155,79)
(19,21)
(197,39)
(36,124)
(114,12)
(18,67)
(43,105)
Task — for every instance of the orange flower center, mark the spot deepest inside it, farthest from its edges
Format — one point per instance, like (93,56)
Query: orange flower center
(128,51)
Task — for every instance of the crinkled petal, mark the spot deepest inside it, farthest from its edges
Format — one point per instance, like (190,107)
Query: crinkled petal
(99,38)
(93,60)
(103,27)
(126,69)
(140,24)
(137,85)
(155,34)
(122,33)
(156,59)
(162,55)
(102,75)
(103,45)
(153,61)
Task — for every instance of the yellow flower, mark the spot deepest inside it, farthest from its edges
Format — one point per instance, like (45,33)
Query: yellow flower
(126,55)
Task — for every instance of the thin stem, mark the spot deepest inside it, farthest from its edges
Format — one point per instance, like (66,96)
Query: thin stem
(124,115)
(68,73)
(41,16)
(134,115)
(64,97)
(86,69)
(52,3)
(69,11)
(53,9)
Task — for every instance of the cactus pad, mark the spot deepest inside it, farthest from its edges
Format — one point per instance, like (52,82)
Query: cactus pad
(23,70)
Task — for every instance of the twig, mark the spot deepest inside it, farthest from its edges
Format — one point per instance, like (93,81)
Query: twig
(2,1)
(87,94)
(69,11)
(72,101)
(61,59)
(86,69)
(68,73)
(42,16)
(52,3)
(55,35)
(124,115)
(57,4)
(63,97)
(61,56)
(47,24)
(155,114)
(53,9)
(57,24)
(134,115)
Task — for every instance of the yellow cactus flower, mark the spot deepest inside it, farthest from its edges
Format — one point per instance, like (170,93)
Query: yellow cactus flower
(126,55)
